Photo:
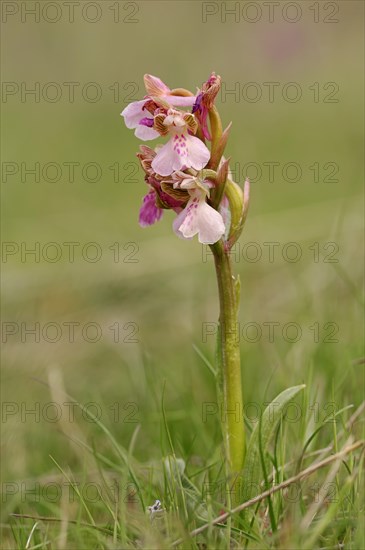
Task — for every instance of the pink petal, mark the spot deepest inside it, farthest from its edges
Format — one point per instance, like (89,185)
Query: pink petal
(167,160)
(181,151)
(211,225)
(200,218)
(145,133)
(133,113)
(180,101)
(155,86)
(198,153)
(178,221)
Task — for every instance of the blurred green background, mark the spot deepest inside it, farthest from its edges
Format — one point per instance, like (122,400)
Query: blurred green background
(161,284)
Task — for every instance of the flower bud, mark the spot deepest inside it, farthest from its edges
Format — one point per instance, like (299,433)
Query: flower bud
(238,203)
(210,90)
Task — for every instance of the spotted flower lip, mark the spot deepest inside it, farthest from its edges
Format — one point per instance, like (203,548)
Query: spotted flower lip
(183,150)
(198,217)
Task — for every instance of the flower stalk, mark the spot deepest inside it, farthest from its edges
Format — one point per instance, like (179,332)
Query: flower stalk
(229,363)
(189,175)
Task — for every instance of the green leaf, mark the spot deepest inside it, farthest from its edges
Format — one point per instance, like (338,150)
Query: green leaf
(253,471)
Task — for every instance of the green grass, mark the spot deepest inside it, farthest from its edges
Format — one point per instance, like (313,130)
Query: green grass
(156,404)
(104,504)
(94,480)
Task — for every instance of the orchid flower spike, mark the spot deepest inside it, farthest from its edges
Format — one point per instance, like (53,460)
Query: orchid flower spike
(179,173)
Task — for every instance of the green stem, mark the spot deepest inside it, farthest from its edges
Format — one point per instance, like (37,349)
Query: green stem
(229,361)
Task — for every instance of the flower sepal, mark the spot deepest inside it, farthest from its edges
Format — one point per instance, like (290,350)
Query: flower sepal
(219,149)
(220,183)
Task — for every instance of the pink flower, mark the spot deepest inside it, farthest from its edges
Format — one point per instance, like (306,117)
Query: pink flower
(198,218)
(137,116)
(157,89)
(183,150)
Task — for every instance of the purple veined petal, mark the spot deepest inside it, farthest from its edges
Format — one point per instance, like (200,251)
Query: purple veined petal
(155,86)
(149,212)
(133,113)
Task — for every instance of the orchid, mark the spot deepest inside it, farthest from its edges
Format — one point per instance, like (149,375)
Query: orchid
(183,150)
(198,218)
(195,182)
(138,115)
